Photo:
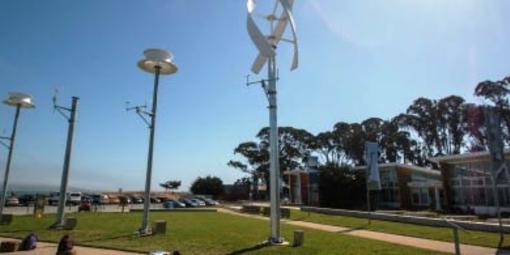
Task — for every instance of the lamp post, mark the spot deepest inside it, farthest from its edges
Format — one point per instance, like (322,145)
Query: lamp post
(157,62)
(19,101)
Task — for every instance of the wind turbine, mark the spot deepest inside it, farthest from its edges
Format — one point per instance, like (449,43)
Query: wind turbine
(267,44)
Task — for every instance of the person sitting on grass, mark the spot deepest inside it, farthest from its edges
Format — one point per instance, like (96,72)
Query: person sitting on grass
(65,246)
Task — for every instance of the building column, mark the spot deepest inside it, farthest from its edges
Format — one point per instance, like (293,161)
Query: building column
(298,193)
(291,196)
(436,194)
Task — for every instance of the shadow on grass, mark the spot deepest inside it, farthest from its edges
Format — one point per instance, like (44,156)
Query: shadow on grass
(303,218)
(248,249)
(105,238)
(364,227)
(16,231)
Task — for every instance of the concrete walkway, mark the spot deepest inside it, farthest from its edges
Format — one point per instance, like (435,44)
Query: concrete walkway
(44,248)
(428,244)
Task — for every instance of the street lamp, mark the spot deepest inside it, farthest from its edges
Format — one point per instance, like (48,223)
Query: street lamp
(155,61)
(18,100)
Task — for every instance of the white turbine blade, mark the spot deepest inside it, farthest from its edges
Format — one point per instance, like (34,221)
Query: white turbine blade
(250,4)
(258,38)
(259,62)
(283,20)
(287,8)
(295,58)
(280,29)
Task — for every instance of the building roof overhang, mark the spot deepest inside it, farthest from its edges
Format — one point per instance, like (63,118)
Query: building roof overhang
(412,168)
(466,157)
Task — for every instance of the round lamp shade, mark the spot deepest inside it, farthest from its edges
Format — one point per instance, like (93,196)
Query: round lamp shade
(155,58)
(19,99)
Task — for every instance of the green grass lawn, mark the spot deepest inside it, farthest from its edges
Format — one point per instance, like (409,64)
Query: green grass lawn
(436,233)
(197,233)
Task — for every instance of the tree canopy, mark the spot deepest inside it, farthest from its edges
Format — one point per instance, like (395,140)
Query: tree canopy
(209,185)
(170,185)
(427,128)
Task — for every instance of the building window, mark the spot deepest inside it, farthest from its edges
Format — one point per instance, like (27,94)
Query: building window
(472,185)
(389,187)
(420,196)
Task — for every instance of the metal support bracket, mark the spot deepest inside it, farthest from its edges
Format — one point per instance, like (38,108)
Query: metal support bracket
(144,115)
(263,84)
(8,146)
(62,110)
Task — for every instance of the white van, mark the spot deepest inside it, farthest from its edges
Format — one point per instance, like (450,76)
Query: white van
(74,198)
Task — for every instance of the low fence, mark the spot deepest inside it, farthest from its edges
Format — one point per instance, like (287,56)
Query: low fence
(264,210)
(434,222)
(178,210)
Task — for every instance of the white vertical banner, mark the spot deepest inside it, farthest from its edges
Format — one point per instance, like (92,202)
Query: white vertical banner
(372,158)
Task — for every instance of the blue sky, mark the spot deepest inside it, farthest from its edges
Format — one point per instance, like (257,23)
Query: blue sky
(358,59)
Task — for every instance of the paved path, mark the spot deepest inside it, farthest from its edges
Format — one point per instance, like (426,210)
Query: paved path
(44,248)
(391,238)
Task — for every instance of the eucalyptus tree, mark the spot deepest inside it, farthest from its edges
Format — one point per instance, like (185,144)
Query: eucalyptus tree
(295,144)
(475,127)
(497,92)
(421,117)
(451,123)
(254,161)
(330,149)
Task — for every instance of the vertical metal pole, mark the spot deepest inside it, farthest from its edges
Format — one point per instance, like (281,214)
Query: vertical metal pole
(456,240)
(368,197)
(369,166)
(67,163)
(498,207)
(274,157)
(145,228)
(9,160)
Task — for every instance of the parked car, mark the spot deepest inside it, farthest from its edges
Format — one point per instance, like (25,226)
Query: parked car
(125,200)
(172,203)
(85,206)
(207,201)
(136,199)
(114,200)
(155,200)
(198,201)
(86,198)
(162,199)
(210,202)
(27,200)
(73,198)
(100,199)
(188,202)
(12,201)
(54,198)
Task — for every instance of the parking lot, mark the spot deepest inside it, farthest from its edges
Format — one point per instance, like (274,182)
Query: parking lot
(24,210)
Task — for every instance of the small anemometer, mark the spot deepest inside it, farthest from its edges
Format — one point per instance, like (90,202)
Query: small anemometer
(140,110)
(263,83)
(66,112)
(4,138)
(54,99)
